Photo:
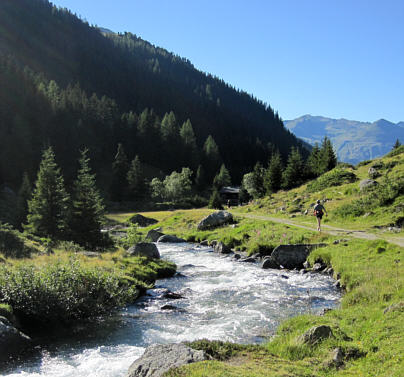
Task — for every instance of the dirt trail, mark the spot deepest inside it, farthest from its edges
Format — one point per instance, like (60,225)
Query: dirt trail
(329,229)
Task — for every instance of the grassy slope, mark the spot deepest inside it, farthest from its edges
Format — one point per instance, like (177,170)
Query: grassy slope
(370,271)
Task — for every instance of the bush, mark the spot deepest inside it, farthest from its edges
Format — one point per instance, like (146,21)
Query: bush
(12,243)
(62,292)
(335,177)
(396,151)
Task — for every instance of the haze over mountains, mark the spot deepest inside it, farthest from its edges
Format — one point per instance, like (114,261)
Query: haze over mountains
(353,141)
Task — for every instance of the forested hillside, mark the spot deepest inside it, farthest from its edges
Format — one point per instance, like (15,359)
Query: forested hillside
(65,84)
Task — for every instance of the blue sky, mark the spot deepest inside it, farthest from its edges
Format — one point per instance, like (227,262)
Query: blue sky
(336,58)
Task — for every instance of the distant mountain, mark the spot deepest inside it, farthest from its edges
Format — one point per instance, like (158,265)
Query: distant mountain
(353,141)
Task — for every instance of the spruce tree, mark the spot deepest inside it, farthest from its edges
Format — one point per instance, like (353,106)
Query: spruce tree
(120,169)
(48,207)
(222,178)
(397,144)
(212,157)
(293,174)
(273,175)
(200,180)
(329,159)
(258,180)
(215,202)
(189,147)
(87,208)
(136,179)
(313,166)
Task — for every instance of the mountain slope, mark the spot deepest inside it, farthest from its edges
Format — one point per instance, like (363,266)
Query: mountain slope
(353,141)
(131,75)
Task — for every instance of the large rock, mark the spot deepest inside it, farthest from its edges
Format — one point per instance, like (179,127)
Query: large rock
(316,334)
(215,219)
(221,248)
(373,173)
(159,358)
(367,184)
(168,238)
(12,341)
(144,249)
(142,220)
(292,256)
(153,235)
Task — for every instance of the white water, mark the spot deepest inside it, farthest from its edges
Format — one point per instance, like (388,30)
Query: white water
(223,299)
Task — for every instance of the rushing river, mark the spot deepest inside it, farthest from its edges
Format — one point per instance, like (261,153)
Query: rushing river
(223,299)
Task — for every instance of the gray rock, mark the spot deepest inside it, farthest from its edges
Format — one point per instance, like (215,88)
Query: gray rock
(292,256)
(159,358)
(373,173)
(317,267)
(338,356)
(168,238)
(204,243)
(142,220)
(398,307)
(237,256)
(144,249)
(316,334)
(306,264)
(367,184)
(215,219)
(268,262)
(221,248)
(12,341)
(153,235)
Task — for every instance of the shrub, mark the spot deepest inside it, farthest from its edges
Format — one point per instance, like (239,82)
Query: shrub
(62,292)
(396,151)
(12,243)
(335,177)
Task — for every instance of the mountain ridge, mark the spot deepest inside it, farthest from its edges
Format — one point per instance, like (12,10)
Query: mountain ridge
(354,141)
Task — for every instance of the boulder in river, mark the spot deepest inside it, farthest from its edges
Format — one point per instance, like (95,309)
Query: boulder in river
(141,220)
(159,358)
(292,256)
(12,341)
(215,219)
(169,238)
(268,262)
(153,235)
(144,249)
(221,248)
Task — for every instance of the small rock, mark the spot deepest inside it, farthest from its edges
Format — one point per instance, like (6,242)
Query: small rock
(221,248)
(144,249)
(172,295)
(380,250)
(168,238)
(248,260)
(204,243)
(316,334)
(153,235)
(142,220)
(337,284)
(159,358)
(236,256)
(398,307)
(268,262)
(284,277)
(172,308)
(306,264)
(306,212)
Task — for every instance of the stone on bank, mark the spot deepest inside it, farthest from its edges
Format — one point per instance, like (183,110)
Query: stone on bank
(215,219)
(159,358)
(144,249)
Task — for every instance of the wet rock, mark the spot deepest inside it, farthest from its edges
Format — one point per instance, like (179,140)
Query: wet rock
(168,238)
(142,220)
(236,256)
(248,260)
(172,308)
(153,235)
(159,358)
(284,277)
(172,295)
(317,267)
(306,264)
(316,334)
(337,284)
(215,219)
(268,262)
(144,249)
(221,248)
(12,341)
(204,243)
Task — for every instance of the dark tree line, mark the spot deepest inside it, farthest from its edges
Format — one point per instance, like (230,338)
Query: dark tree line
(65,84)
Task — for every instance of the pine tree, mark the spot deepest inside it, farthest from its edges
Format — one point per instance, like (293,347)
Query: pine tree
(222,178)
(87,208)
(273,175)
(24,195)
(293,174)
(189,148)
(329,159)
(136,179)
(211,156)
(313,166)
(258,180)
(215,202)
(119,172)
(48,207)
(397,144)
